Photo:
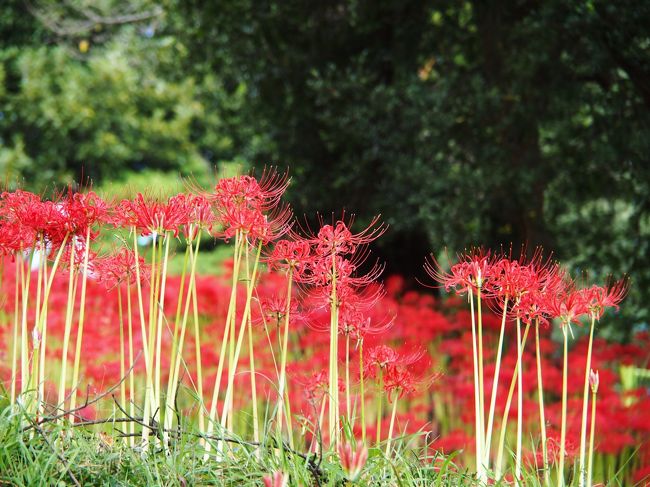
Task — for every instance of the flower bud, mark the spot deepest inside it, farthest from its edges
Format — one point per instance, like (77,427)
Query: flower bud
(353,462)
(593,381)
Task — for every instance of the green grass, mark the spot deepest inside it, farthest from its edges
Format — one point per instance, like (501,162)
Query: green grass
(50,454)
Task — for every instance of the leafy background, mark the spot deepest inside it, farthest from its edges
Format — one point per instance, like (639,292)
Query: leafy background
(462,123)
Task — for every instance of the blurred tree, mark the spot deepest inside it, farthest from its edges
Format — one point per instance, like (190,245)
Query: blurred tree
(89,91)
(462,122)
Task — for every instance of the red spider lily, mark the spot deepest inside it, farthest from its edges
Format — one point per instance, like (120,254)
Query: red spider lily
(14,236)
(316,385)
(247,191)
(598,298)
(119,267)
(338,239)
(474,269)
(149,216)
(274,309)
(383,357)
(246,205)
(399,380)
(82,211)
(353,461)
(568,305)
(278,479)
(200,215)
(253,223)
(294,255)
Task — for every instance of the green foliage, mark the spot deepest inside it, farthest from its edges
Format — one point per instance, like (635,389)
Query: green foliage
(460,122)
(95,455)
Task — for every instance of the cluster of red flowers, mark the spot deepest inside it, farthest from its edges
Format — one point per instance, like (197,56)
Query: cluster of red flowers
(537,290)
(403,337)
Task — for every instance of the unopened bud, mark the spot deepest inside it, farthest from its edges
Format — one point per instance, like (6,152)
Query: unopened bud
(593,381)
(36,337)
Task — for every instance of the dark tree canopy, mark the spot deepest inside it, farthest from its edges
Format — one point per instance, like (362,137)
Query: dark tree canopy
(494,123)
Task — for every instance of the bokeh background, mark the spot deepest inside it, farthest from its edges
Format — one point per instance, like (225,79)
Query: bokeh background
(461,122)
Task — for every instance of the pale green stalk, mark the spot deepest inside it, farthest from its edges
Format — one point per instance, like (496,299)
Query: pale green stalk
(227,411)
(80,328)
(145,346)
(590,465)
(150,395)
(224,342)
(24,334)
(176,354)
(199,367)
(43,347)
(560,470)
(392,425)
(380,395)
(283,355)
(33,366)
(161,314)
(251,358)
(495,385)
(363,393)
(15,338)
(69,312)
(131,364)
(333,365)
(504,421)
(542,418)
(481,390)
(477,399)
(520,402)
(585,398)
(39,372)
(122,345)
(347,379)
(179,356)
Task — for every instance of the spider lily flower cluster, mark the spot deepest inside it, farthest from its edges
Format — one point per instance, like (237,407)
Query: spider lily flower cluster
(298,339)
(525,293)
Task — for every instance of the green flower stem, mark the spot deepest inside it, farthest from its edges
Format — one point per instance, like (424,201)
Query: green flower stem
(175,338)
(227,410)
(224,342)
(380,395)
(585,399)
(131,372)
(333,361)
(504,420)
(197,353)
(80,328)
(122,354)
(39,368)
(495,385)
(145,345)
(542,418)
(477,392)
(15,338)
(69,312)
(194,252)
(363,393)
(392,424)
(347,380)
(590,466)
(560,470)
(520,402)
(25,277)
(160,305)
(177,348)
(283,355)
